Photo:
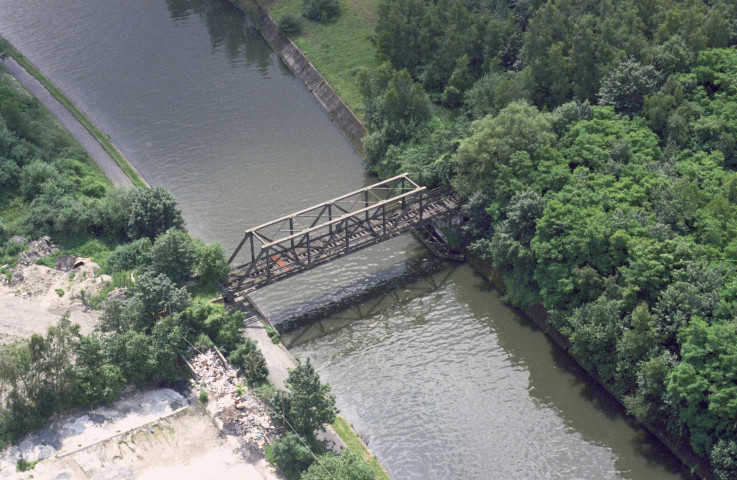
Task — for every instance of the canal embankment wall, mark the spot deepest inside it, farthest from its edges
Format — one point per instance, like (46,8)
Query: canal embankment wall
(300,65)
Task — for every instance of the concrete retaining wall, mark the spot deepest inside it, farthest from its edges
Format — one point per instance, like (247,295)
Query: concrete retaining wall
(303,69)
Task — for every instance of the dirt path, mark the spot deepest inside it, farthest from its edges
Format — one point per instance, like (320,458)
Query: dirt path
(85,139)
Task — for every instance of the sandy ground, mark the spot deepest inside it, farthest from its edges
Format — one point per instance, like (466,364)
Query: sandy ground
(29,304)
(147,435)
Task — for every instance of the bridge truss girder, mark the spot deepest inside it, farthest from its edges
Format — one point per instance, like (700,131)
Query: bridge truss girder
(319,234)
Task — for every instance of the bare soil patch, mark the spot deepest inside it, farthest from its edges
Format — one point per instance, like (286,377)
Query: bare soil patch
(37,296)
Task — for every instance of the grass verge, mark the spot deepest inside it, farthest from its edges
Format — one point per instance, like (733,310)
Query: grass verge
(339,49)
(354,443)
(78,114)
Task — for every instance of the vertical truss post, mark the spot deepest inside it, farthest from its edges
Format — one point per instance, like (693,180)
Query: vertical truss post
(330,219)
(268,267)
(421,197)
(291,230)
(402,191)
(383,219)
(347,240)
(365,203)
(253,252)
(309,251)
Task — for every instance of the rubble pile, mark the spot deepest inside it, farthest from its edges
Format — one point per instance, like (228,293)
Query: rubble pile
(235,409)
(42,247)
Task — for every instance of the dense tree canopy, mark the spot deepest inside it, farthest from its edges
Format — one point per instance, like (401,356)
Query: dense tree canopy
(596,143)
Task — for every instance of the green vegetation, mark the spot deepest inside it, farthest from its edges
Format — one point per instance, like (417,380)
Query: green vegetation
(595,143)
(339,48)
(8,49)
(24,465)
(357,447)
(50,187)
(307,406)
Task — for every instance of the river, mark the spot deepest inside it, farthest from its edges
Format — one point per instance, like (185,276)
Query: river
(442,379)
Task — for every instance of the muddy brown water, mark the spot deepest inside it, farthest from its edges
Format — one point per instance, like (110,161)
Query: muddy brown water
(441,378)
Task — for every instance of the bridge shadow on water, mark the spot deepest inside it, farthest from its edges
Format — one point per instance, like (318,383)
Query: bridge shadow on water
(361,299)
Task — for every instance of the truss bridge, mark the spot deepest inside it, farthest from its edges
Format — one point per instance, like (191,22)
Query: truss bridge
(322,233)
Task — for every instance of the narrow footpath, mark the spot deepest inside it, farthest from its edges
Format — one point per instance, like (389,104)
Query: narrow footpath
(85,139)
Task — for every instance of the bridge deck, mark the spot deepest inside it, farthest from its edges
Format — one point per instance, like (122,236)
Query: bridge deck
(274,257)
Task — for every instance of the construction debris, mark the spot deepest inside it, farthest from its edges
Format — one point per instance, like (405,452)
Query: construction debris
(42,247)
(236,410)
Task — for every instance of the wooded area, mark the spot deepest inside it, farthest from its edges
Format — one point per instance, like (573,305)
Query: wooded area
(595,142)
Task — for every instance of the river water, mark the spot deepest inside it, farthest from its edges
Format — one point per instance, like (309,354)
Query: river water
(441,379)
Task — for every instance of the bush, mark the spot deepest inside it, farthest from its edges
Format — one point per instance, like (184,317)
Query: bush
(129,256)
(320,10)
(249,359)
(346,466)
(152,212)
(289,25)
(290,455)
(24,465)
(203,396)
(34,175)
(724,459)
(211,262)
(174,255)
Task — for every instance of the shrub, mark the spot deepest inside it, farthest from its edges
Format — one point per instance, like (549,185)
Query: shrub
(320,10)
(724,459)
(273,334)
(24,465)
(249,359)
(129,256)
(174,255)
(289,25)
(346,466)
(203,396)
(152,212)
(34,175)
(211,262)
(290,455)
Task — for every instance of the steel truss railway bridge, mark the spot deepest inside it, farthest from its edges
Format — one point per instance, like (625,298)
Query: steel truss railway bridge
(320,234)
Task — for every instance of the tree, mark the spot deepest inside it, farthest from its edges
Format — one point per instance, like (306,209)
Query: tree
(174,255)
(499,154)
(346,466)
(249,359)
(510,248)
(703,385)
(291,455)
(156,297)
(212,265)
(320,10)
(627,85)
(311,403)
(724,459)
(152,212)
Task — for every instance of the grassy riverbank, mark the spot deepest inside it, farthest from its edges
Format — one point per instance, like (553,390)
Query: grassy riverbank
(353,442)
(119,158)
(339,49)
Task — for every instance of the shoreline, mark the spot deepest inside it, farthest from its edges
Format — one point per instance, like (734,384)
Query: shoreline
(101,150)
(698,465)
(302,68)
